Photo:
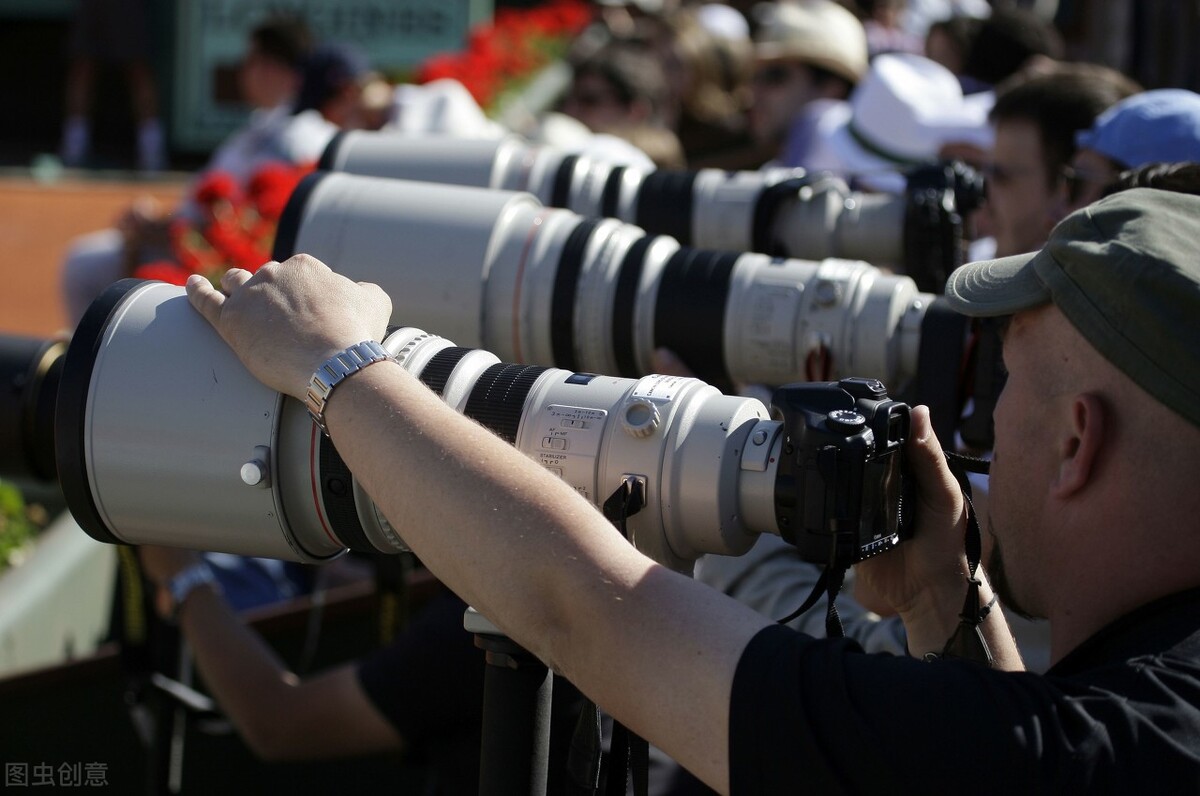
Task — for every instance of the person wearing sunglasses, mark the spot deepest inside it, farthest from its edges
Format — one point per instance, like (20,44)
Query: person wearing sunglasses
(1158,126)
(807,57)
(620,90)
(1035,116)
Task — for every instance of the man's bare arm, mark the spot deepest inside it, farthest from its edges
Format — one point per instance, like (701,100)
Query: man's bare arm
(656,649)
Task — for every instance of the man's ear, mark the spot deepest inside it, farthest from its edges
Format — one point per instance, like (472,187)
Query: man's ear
(1081,444)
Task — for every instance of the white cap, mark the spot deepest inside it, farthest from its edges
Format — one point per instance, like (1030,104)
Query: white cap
(440,106)
(723,22)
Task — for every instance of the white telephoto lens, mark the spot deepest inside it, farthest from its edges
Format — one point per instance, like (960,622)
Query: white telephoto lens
(497,270)
(163,437)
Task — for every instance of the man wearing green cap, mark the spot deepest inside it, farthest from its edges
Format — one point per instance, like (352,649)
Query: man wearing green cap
(1092,513)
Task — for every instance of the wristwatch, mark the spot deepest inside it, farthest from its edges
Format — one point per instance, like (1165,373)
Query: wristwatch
(334,371)
(184,582)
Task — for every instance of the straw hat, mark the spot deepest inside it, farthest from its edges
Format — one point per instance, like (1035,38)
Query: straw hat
(818,32)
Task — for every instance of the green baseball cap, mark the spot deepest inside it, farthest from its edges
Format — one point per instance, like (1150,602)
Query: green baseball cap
(1125,271)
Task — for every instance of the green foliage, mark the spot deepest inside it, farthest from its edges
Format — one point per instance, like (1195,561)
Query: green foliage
(18,524)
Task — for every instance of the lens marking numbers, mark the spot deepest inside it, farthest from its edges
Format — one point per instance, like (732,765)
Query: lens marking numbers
(568,444)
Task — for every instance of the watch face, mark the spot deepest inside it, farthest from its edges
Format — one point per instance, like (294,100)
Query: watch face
(185,582)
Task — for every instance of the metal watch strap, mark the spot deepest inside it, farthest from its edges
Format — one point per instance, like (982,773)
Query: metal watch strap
(334,371)
(186,581)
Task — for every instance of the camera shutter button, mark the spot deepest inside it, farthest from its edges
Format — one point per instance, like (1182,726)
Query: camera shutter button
(846,420)
(640,418)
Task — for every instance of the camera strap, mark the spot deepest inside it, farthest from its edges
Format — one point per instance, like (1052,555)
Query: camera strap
(829,584)
(628,499)
(629,755)
(967,641)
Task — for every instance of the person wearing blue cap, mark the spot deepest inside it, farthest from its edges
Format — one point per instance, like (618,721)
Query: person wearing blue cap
(1158,126)
(331,84)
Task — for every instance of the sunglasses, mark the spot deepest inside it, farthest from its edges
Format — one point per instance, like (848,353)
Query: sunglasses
(1077,181)
(591,99)
(773,76)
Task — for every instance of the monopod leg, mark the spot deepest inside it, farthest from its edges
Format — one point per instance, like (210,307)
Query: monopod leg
(517,688)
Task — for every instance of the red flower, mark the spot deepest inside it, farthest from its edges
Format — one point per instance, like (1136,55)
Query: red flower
(216,186)
(438,67)
(163,271)
(237,228)
(499,56)
(271,187)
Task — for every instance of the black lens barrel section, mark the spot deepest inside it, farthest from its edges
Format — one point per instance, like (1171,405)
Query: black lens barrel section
(665,204)
(288,228)
(30,371)
(689,316)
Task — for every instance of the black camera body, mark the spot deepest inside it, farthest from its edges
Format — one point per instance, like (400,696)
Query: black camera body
(842,492)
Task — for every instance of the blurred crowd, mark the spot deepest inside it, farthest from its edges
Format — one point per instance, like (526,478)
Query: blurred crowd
(1043,98)
(865,89)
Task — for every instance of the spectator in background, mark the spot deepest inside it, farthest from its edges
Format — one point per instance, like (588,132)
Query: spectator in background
(620,90)
(905,112)
(1007,41)
(269,81)
(707,57)
(1180,177)
(331,85)
(985,51)
(919,15)
(112,31)
(884,24)
(808,57)
(617,86)
(1036,117)
(1159,126)
(949,43)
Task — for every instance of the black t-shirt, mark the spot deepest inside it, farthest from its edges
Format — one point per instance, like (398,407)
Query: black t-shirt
(429,685)
(1120,714)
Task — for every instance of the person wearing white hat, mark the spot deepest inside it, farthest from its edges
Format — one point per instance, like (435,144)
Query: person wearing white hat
(906,110)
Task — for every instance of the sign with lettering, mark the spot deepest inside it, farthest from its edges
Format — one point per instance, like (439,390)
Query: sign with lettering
(210,39)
